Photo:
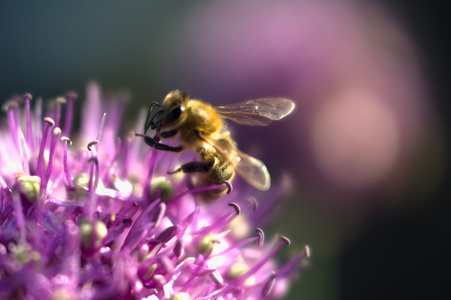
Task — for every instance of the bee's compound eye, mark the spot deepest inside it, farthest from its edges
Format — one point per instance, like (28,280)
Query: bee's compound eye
(175,113)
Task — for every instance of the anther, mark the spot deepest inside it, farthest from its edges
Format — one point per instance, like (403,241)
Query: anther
(57,131)
(254,203)
(229,186)
(49,121)
(27,97)
(71,95)
(307,251)
(261,236)
(285,240)
(92,143)
(236,207)
(60,100)
(269,285)
(66,139)
(9,104)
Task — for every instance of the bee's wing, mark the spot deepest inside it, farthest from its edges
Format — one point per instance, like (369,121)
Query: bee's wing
(249,168)
(257,112)
(253,171)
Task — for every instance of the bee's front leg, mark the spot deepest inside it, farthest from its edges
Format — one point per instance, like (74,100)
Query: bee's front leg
(159,146)
(193,167)
(168,134)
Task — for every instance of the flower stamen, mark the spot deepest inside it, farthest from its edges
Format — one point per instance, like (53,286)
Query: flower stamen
(56,134)
(269,284)
(254,203)
(261,237)
(236,207)
(10,108)
(70,97)
(92,143)
(27,99)
(285,240)
(59,102)
(67,141)
(260,264)
(93,173)
(40,169)
(286,267)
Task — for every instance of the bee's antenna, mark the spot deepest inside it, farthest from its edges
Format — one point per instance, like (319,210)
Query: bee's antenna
(148,120)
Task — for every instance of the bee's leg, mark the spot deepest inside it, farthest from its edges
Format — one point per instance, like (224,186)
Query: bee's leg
(193,167)
(159,146)
(167,134)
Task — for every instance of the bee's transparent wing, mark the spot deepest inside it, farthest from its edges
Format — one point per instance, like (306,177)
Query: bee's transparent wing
(257,112)
(252,170)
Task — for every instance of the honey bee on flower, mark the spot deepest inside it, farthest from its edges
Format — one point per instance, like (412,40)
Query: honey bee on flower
(201,127)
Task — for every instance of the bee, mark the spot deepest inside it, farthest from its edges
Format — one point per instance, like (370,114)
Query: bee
(202,128)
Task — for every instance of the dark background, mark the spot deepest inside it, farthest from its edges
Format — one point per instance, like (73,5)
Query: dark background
(406,256)
(394,244)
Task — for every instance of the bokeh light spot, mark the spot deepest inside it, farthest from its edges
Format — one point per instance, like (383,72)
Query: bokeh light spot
(355,138)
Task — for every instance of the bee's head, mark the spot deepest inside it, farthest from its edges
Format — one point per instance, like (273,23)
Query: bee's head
(171,110)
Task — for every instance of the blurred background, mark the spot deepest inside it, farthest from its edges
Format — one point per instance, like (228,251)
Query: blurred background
(365,153)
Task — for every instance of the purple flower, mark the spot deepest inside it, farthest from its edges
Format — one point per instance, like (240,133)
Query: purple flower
(101,219)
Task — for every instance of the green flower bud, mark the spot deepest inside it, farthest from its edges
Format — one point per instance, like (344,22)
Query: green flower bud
(86,233)
(166,187)
(92,236)
(180,296)
(101,232)
(81,181)
(236,270)
(30,186)
(151,270)
(62,294)
(207,243)
(24,253)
